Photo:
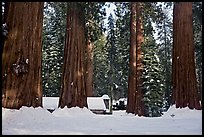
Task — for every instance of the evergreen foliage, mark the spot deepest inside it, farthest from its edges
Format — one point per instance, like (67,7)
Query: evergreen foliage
(197,28)
(94,19)
(152,76)
(111,50)
(165,38)
(101,68)
(53,43)
(122,32)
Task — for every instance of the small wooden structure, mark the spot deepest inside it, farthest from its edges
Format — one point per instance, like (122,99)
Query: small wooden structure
(99,105)
(108,103)
(96,105)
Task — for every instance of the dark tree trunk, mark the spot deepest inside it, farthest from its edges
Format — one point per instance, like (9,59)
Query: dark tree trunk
(21,59)
(132,63)
(73,91)
(89,69)
(140,39)
(185,92)
(135,95)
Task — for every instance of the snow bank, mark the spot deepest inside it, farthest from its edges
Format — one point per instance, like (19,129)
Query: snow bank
(72,112)
(81,121)
(182,112)
(29,113)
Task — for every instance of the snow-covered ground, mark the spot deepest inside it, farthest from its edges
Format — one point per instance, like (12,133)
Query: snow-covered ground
(81,121)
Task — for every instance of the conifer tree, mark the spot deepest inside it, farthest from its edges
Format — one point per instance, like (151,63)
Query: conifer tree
(21,58)
(185,90)
(152,79)
(53,46)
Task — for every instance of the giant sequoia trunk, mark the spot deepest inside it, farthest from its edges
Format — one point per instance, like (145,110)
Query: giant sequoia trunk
(73,91)
(89,69)
(140,39)
(21,59)
(132,63)
(185,92)
(135,104)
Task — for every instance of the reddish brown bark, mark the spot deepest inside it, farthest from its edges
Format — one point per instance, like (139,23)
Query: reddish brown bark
(185,92)
(89,69)
(132,63)
(73,91)
(21,59)
(140,39)
(135,95)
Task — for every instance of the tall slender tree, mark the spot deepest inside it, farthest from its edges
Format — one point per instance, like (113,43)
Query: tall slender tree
(94,14)
(21,59)
(122,44)
(135,95)
(139,53)
(73,91)
(152,78)
(185,91)
(111,39)
(165,32)
(132,62)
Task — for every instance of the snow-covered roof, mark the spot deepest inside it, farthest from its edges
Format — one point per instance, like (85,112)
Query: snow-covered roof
(93,102)
(96,103)
(122,99)
(105,96)
(50,102)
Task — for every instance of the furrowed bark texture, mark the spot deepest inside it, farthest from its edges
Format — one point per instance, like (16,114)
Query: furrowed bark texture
(73,91)
(185,91)
(21,59)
